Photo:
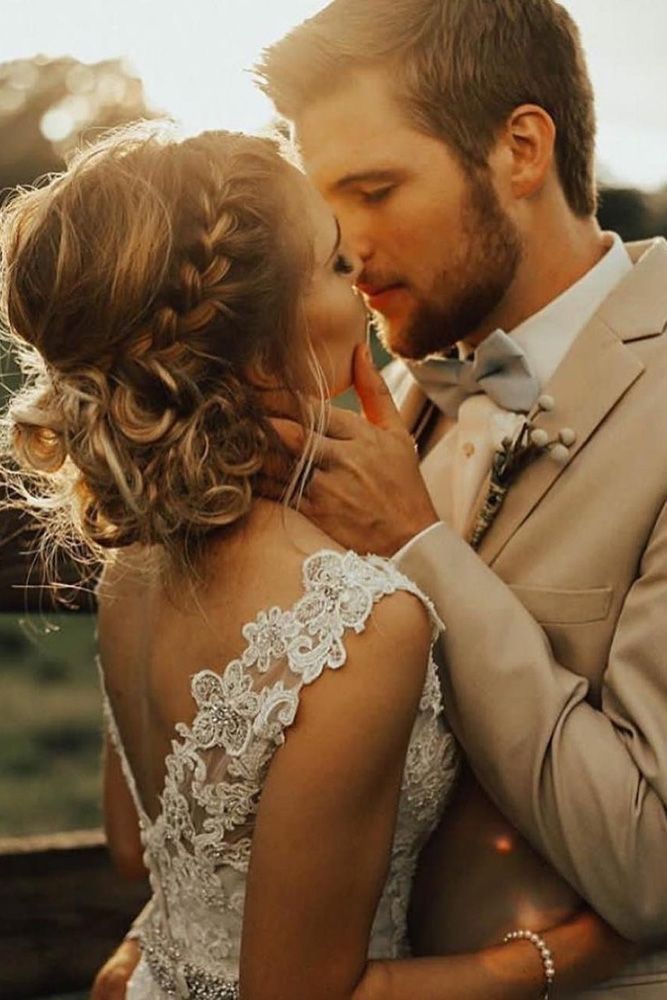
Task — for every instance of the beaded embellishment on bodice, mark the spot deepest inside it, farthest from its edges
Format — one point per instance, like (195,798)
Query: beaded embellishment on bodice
(198,848)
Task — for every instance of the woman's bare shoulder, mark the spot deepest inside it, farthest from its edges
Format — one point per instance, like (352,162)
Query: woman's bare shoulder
(266,558)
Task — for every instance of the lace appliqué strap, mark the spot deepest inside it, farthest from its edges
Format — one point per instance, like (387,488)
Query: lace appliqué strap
(340,591)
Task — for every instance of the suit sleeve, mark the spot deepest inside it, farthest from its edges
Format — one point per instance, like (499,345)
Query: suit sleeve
(587,787)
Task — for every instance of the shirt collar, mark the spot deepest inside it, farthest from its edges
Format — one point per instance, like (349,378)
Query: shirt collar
(547,336)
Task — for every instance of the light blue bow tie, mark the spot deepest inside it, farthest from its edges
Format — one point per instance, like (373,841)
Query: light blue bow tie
(499,368)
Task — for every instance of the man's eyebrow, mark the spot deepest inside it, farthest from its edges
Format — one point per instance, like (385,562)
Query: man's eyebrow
(365,177)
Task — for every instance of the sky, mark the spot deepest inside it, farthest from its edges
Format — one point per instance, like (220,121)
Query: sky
(193,58)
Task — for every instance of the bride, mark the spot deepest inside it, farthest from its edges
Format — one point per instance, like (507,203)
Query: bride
(271,699)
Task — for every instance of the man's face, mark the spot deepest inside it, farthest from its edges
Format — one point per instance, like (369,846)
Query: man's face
(438,252)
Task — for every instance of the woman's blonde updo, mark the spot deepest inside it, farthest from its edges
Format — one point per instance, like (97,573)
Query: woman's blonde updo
(151,289)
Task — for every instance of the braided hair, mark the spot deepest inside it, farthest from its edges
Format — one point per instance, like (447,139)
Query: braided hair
(151,289)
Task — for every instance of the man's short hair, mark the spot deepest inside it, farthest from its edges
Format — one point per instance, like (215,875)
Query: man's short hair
(460,66)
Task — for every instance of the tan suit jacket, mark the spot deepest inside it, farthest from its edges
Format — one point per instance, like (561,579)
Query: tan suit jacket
(555,675)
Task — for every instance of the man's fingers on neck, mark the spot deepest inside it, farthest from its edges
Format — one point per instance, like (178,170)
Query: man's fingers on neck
(290,433)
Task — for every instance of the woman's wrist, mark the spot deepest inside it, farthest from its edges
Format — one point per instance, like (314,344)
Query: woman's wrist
(545,953)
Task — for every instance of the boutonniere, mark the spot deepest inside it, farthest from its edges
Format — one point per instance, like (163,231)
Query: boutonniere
(512,457)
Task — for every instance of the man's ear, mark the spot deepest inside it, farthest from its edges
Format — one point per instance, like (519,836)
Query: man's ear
(530,138)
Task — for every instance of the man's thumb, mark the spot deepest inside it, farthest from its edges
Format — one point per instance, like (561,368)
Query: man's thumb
(373,392)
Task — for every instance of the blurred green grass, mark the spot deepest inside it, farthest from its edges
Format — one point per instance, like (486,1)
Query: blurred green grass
(50,728)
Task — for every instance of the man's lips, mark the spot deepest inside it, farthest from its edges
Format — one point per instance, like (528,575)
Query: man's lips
(372,290)
(378,293)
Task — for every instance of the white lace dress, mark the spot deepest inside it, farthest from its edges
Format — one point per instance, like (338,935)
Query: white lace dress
(198,848)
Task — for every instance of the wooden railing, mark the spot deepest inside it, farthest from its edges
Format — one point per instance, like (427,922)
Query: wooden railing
(63,909)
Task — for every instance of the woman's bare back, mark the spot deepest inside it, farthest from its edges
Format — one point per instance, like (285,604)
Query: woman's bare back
(154,637)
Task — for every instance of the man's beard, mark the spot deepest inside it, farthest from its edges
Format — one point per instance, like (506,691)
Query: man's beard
(467,294)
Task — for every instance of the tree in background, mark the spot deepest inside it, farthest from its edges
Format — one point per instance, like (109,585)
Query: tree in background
(48,105)
(632,213)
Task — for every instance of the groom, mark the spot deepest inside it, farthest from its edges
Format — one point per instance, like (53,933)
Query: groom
(454,140)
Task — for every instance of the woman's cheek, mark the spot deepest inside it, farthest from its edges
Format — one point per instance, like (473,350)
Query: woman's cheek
(337,324)
(350,332)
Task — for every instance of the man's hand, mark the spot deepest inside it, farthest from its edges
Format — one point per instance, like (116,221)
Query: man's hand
(112,979)
(366,492)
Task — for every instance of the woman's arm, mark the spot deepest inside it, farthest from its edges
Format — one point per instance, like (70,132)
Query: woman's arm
(322,843)
(121,822)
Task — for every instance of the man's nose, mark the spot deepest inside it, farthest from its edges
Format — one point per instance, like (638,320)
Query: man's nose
(363,248)
(358,263)
(357,239)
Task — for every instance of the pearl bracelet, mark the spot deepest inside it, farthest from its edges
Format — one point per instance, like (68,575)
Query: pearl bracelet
(545,955)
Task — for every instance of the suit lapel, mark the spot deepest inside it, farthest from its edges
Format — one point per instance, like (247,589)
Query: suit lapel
(637,308)
(595,374)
